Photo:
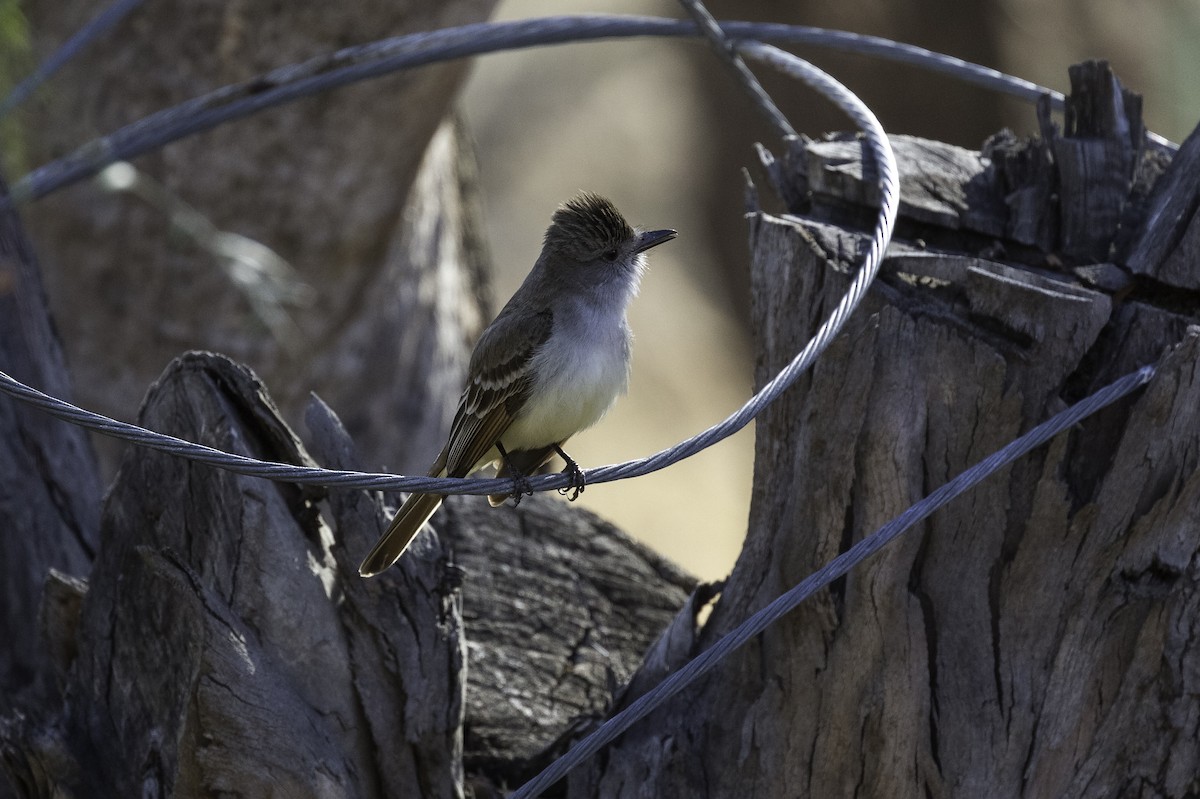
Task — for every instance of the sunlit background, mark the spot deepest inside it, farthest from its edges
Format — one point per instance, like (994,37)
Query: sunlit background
(655,124)
(658,127)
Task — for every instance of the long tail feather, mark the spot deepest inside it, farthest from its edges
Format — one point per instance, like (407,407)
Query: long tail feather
(407,522)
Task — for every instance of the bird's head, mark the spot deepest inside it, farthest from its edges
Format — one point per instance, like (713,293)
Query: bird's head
(589,240)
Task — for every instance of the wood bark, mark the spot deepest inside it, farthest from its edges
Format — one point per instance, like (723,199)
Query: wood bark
(49,485)
(1037,637)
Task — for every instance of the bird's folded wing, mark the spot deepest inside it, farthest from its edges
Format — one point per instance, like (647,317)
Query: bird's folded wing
(499,384)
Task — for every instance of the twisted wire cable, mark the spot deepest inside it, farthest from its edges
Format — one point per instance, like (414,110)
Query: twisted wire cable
(284,472)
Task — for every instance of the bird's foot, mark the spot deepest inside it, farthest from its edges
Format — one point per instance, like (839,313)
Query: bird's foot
(521,486)
(575,487)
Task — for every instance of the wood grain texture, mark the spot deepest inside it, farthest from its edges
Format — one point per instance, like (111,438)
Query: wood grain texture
(560,609)
(212,653)
(1168,246)
(1095,158)
(51,488)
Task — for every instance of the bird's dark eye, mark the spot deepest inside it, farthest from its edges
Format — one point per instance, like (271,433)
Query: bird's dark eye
(611,255)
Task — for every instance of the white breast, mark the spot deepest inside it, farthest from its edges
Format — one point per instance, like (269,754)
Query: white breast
(583,369)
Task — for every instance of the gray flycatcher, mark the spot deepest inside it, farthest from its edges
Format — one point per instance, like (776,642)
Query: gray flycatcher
(550,365)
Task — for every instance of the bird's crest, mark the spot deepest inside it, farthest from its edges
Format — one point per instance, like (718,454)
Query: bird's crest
(587,222)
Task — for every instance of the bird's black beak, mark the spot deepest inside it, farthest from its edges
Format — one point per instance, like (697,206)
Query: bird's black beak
(653,238)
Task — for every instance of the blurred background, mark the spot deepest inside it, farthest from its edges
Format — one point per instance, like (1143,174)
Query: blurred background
(663,131)
(655,125)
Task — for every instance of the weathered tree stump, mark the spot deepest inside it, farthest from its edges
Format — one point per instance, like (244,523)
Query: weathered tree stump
(1037,637)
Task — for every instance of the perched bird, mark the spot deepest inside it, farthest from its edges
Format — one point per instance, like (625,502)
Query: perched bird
(550,365)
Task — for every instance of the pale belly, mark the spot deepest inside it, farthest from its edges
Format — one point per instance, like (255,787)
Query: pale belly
(582,380)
